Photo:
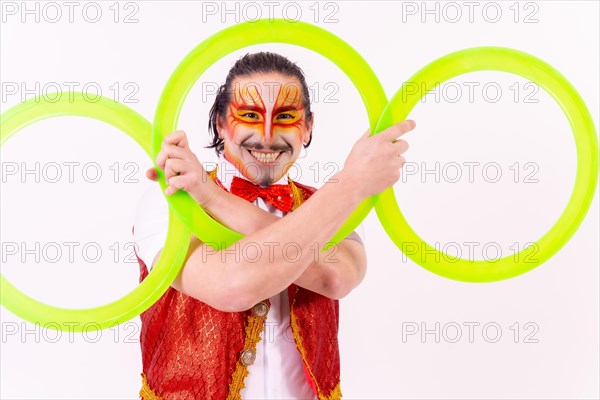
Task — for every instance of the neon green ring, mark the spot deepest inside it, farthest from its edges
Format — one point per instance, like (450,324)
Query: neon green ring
(234,38)
(586,139)
(170,260)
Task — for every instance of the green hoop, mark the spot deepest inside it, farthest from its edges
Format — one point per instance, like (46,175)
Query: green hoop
(170,260)
(234,38)
(528,67)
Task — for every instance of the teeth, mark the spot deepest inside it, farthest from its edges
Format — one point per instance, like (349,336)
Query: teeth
(264,157)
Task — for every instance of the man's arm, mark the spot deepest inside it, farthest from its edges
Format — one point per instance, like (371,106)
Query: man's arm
(265,262)
(333,274)
(268,260)
(336,270)
(337,276)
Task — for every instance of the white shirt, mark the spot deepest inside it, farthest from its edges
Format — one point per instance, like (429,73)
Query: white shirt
(277,372)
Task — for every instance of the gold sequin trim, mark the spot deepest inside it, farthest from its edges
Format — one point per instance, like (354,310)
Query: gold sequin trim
(213,174)
(253,331)
(146,393)
(336,393)
(252,336)
(297,195)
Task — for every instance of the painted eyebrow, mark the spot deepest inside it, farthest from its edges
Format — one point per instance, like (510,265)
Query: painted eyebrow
(250,107)
(281,109)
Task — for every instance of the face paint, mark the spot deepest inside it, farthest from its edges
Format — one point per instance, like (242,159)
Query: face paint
(247,108)
(288,112)
(263,132)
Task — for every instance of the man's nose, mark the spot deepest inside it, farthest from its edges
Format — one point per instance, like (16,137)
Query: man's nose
(268,133)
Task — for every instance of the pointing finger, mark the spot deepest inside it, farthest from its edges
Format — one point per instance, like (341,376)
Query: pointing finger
(399,129)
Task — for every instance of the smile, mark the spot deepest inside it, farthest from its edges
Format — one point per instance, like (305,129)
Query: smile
(264,158)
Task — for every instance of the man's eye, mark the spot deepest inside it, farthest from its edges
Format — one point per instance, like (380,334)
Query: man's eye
(250,115)
(285,116)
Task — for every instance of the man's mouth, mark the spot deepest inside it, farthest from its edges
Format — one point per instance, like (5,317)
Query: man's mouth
(265,157)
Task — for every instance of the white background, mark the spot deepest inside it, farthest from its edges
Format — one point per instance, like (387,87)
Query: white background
(554,308)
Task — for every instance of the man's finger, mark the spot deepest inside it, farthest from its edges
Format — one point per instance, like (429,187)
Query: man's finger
(173,167)
(175,183)
(397,130)
(168,152)
(401,145)
(151,174)
(177,138)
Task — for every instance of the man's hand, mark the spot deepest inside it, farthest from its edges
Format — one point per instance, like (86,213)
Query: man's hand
(183,170)
(374,162)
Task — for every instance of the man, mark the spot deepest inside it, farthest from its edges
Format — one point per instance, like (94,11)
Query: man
(255,321)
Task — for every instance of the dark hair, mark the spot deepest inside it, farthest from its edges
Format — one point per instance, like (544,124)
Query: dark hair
(250,64)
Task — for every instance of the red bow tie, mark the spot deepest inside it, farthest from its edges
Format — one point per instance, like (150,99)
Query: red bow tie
(279,196)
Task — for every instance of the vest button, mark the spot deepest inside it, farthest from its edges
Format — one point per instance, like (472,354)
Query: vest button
(248,357)
(260,309)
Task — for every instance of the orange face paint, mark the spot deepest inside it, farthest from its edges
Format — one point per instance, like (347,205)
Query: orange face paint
(247,109)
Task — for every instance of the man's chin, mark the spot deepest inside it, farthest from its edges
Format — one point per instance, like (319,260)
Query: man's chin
(268,178)
(264,174)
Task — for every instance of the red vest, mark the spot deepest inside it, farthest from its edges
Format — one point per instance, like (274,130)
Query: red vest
(191,350)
